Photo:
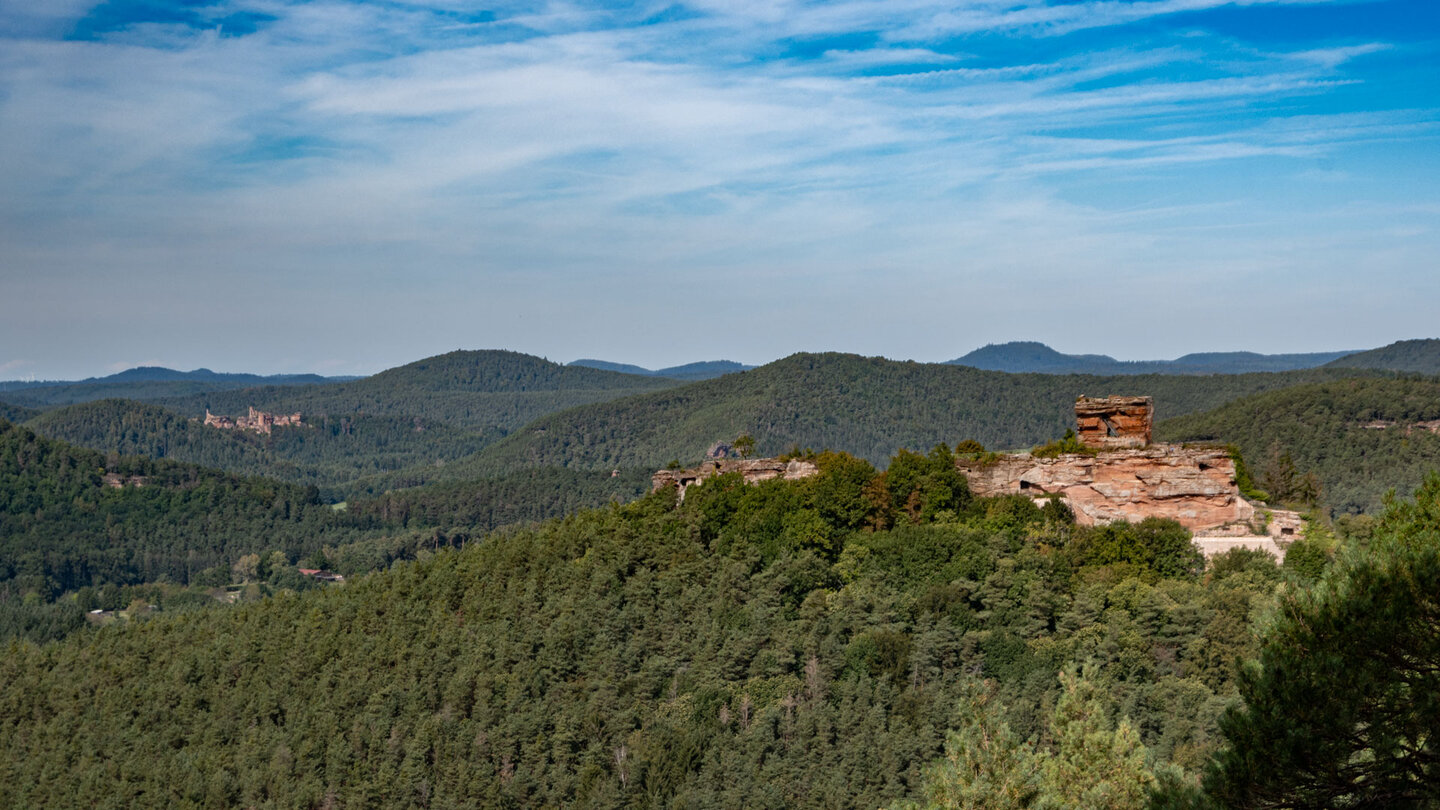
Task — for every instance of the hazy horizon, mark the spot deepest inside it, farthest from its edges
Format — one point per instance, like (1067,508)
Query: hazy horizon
(108,372)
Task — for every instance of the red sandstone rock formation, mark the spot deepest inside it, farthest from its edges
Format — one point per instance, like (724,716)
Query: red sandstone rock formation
(1113,422)
(752,470)
(1194,486)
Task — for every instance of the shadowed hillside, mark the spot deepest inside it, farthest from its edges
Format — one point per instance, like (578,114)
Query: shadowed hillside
(73,517)
(329,452)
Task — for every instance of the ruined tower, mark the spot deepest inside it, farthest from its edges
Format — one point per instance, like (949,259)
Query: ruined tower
(1108,423)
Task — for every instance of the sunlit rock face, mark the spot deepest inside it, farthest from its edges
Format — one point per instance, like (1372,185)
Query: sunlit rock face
(1193,486)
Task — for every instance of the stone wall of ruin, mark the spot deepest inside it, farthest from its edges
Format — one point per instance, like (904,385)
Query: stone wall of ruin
(752,470)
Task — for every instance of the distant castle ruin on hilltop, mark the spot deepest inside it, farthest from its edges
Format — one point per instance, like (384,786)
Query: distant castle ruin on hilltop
(258,421)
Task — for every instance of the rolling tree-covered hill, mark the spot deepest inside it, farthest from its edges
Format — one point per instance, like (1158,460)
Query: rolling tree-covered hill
(329,452)
(477,391)
(15,413)
(1360,437)
(1027,356)
(865,406)
(1422,356)
(71,517)
(789,645)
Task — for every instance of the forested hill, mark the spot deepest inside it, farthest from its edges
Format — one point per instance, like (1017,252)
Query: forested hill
(15,413)
(495,371)
(1030,356)
(866,406)
(71,517)
(477,391)
(1360,437)
(1422,356)
(789,645)
(328,452)
(144,383)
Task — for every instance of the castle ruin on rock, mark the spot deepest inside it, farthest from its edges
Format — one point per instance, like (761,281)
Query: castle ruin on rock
(1121,476)
(1127,477)
(258,421)
(752,470)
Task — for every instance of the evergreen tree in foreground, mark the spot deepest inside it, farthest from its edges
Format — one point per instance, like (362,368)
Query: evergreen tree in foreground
(1343,707)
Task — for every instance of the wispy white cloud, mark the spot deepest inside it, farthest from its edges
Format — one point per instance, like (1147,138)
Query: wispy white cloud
(16,366)
(391,148)
(1331,58)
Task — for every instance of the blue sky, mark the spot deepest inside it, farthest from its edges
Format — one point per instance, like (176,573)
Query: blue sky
(273,186)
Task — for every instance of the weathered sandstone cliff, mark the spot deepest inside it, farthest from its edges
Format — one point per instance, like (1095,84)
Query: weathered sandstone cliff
(1194,486)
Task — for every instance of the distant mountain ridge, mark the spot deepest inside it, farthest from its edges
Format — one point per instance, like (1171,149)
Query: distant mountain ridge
(1420,356)
(162,374)
(147,383)
(1019,357)
(703,370)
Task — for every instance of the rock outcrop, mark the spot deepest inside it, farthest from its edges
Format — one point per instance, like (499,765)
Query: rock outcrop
(752,470)
(1113,422)
(1280,528)
(1194,486)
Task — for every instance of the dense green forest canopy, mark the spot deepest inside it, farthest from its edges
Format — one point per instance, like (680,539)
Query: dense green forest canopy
(866,406)
(71,518)
(792,644)
(1421,356)
(331,452)
(15,413)
(1360,437)
(527,496)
